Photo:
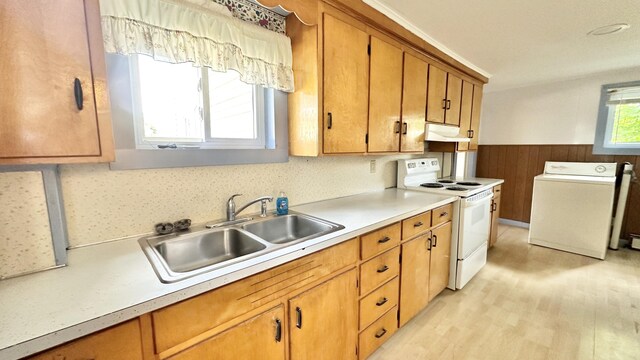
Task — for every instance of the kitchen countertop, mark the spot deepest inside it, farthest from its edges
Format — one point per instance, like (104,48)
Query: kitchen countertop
(108,283)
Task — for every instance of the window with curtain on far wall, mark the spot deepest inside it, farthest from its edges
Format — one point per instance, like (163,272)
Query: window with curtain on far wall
(618,129)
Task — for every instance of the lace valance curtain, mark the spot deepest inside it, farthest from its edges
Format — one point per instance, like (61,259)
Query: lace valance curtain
(201,32)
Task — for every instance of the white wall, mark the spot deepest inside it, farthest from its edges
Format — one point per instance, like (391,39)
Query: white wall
(552,113)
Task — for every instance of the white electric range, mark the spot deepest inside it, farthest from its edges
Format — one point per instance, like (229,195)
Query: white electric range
(471,213)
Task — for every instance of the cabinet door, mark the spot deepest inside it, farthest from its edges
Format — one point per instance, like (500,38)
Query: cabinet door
(454,95)
(385,97)
(475,116)
(436,94)
(414,104)
(261,337)
(414,284)
(465,113)
(495,215)
(440,259)
(346,87)
(47,49)
(323,321)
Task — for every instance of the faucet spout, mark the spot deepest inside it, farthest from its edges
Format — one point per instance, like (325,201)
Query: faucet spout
(231,206)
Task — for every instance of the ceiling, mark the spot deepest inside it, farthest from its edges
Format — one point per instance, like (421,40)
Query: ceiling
(522,42)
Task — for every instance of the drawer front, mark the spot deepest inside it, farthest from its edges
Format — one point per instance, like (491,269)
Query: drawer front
(379,302)
(416,225)
(182,321)
(497,190)
(379,332)
(380,240)
(379,270)
(441,215)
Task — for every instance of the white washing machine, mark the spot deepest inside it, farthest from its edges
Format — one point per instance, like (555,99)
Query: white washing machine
(573,206)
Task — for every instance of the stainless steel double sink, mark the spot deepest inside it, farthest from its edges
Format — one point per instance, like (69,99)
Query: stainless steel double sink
(182,255)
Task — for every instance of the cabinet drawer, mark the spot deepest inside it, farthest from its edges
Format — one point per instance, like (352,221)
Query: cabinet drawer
(380,240)
(379,270)
(379,332)
(122,341)
(497,190)
(379,302)
(416,225)
(180,322)
(441,215)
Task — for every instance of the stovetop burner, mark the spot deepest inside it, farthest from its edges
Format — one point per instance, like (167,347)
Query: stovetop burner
(457,188)
(432,185)
(446,181)
(469,183)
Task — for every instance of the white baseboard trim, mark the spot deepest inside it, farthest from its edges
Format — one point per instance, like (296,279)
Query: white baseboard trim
(520,224)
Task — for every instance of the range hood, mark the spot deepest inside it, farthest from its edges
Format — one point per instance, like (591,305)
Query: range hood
(443,133)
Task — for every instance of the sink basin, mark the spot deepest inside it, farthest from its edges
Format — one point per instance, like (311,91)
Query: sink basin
(288,228)
(187,253)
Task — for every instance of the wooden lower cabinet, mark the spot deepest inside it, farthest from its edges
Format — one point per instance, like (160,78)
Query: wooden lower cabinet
(261,337)
(323,321)
(379,332)
(416,266)
(122,341)
(440,259)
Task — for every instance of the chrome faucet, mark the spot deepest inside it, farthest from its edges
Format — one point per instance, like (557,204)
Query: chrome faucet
(231,206)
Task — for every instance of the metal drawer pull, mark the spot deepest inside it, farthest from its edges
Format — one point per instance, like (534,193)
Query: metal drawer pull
(278,330)
(444,214)
(435,240)
(381,333)
(382,302)
(384,240)
(77,92)
(298,318)
(329,120)
(418,224)
(383,269)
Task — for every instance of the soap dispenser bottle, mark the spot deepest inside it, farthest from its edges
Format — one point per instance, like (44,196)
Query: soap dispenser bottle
(282,204)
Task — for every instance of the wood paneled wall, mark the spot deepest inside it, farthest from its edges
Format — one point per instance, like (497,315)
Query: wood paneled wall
(519,164)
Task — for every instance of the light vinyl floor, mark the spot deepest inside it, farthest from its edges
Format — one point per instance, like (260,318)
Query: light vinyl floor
(531,302)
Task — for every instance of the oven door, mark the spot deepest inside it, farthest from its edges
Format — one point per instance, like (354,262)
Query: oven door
(475,224)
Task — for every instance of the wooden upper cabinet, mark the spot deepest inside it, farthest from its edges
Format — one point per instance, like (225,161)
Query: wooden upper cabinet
(440,255)
(261,337)
(414,104)
(323,321)
(385,96)
(454,93)
(437,95)
(53,53)
(346,87)
(465,113)
(475,117)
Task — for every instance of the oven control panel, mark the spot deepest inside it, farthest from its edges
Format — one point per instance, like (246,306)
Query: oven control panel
(427,165)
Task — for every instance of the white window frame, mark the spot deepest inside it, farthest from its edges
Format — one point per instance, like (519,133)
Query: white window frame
(260,119)
(604,128)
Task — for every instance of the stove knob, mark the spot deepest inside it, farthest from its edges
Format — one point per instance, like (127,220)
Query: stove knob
(601,169)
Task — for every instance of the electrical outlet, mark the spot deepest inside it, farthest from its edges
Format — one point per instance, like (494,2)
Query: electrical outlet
(372,166)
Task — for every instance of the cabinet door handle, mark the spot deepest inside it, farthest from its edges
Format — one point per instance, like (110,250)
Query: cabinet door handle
(77,92)
(383,269)
(469,134)
(494,207)
(298,318)
(428,244)
(278,330)
(444,214)
(444,104)
(382,302)
(396,127)
(473,133)
(329,120)
(384,240)
(448,104)
(381,333)
(405,128)
(435,240)
(418,224)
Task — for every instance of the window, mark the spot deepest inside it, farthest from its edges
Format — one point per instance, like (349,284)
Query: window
(182,106)
(618,129)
